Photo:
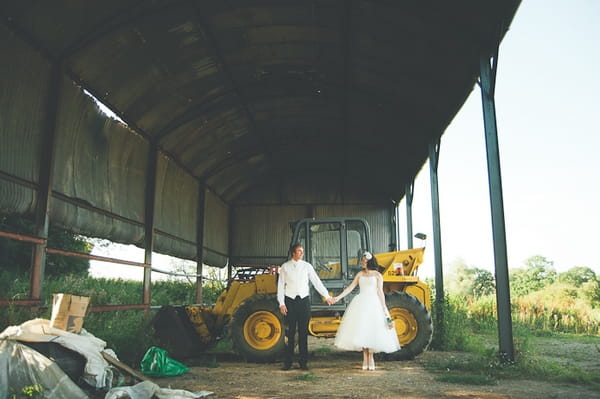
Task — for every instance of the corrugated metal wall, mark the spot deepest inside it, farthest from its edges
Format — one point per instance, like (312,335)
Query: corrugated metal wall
(100,166)
(176,210)
(380,220)
(216,231)
(261,232)
(100,177)
(23,98)
(100,163)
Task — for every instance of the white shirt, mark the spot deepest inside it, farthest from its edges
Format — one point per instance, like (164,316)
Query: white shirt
(293,280)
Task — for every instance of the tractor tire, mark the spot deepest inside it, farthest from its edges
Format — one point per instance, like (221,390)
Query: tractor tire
(257,329)
(413,325)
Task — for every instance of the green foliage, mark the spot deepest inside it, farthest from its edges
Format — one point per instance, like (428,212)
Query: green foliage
(449,333)
(484,283)
(591,292)
(549,304)
(537,274)
(12,250)
(128,332)
(173,293)
(541,300)
(59,265)
(558,308)
(30,391)
(323,349)
(309,377)
(482,313)
(484,366)
(459,279)
(577,276)
(16,255)
(469,281)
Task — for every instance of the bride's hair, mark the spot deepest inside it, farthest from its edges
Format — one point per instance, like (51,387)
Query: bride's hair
(372,264)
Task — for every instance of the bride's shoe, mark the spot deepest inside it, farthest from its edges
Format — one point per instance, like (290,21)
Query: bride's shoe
(365,368)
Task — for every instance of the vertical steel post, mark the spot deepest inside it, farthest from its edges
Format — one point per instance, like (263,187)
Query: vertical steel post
(149,219)
(44,192)
(434,152)
(200,241)
(487,84)
(397,227)
(229,245)
(409,192)
(393,246)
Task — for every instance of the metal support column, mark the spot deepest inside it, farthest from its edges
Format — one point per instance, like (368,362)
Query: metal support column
(149,219)
(393,245)
(200,241)
(44,193)
(434,152)
(229,245)
(409,192)
(487,83)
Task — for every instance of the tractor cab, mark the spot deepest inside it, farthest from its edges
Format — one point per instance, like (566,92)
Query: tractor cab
(334,246)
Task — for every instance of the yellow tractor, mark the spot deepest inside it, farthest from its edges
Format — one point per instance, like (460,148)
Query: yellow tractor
(248,313)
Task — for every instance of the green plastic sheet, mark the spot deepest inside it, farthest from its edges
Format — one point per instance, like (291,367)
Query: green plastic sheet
(157,363)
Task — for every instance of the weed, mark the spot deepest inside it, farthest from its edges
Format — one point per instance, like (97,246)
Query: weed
(323,349)
(308,377)
(30,391)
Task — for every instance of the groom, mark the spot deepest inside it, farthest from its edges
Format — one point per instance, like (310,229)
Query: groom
(294,303)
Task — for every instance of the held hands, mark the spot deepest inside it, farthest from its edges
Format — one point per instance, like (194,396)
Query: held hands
(332,300)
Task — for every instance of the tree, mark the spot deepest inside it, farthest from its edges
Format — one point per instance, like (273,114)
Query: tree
(460,279)
(590,290)
(469,281)
(484,283)
(538,273)
(15,255)
(577,276)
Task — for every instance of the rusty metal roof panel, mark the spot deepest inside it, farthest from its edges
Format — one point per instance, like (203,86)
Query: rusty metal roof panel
(244,95)
(173,69)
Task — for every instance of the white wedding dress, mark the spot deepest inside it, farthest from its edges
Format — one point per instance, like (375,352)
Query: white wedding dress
(363,324)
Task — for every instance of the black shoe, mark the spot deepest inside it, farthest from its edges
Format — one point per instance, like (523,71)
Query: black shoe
(303,367)
(286,367)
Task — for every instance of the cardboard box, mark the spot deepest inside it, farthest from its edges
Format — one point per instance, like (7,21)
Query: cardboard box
(68,312)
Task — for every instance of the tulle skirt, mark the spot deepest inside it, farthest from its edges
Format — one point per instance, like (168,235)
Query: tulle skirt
(364,326)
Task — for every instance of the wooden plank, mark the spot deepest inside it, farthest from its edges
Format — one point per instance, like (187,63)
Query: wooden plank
(125,367)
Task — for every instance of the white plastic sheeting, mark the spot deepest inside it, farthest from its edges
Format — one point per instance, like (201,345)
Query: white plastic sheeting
(97,372)
(148,389)
(21,366)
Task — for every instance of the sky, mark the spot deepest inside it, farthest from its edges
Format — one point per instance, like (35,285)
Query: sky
(547,89)
(548,133)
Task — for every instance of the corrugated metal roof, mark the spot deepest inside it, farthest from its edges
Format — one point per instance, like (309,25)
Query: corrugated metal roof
(241,93)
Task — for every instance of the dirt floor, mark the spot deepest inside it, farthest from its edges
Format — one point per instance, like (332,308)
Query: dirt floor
(338,374)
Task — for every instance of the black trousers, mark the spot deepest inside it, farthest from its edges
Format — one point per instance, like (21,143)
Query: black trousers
(297,318)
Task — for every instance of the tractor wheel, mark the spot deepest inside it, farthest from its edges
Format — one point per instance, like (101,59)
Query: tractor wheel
(413,325)
(257,329)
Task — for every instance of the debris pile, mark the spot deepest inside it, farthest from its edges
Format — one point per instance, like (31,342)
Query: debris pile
(71,365)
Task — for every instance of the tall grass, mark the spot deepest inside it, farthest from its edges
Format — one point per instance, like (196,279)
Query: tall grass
(534,313)
(540,313)
(128,332)
(470,326)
